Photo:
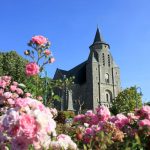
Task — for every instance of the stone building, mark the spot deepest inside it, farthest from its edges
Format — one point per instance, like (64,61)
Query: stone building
(97,80)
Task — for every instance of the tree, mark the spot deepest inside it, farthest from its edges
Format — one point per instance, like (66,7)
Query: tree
(127,101)
(147,103)
(13,65)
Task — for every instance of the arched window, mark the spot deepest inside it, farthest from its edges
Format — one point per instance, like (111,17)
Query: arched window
(108,95)
(107,78)
(103,58)
(109,60)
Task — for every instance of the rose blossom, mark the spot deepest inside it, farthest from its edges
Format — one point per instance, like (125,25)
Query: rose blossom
(119,120)
(103,113)
(66,142)
(21,102)
(2,83)
(13,88)
(47,52)
(1,92)
(10,101)
(28,95)
(19,91)
(15,83)
(144,122)
(32,69)
(11,118)
(51,60)
(7,95)
(39,40)
(28,125)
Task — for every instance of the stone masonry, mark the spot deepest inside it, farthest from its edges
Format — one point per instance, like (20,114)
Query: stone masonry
(97,80)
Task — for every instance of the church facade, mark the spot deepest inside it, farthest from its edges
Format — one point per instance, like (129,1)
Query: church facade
(97,80)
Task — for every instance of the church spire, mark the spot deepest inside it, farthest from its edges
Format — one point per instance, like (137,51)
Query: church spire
(98,37)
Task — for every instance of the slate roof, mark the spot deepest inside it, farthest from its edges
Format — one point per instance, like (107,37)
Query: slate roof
(79,72)
(98,39)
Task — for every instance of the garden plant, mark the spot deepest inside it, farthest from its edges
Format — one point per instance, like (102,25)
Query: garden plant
(27,124)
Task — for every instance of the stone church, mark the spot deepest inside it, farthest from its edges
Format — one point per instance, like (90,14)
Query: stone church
(97,80)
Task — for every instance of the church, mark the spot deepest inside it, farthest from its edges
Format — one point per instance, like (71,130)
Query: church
(97,80)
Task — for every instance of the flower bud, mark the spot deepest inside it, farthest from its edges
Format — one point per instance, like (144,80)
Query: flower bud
(51,59)
(47,52)
(27,52)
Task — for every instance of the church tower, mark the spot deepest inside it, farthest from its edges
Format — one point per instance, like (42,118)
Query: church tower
(97,80)
(102,74)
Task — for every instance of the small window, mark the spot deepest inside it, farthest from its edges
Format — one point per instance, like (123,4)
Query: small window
(107,78)
(108,60)
(103,58)
(107,97)
(96,56)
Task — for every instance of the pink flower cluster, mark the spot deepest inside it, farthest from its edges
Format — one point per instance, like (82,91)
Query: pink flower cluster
(39,40)
(63,142)
(32,69)
(25,121)
(40,45)
(93,123)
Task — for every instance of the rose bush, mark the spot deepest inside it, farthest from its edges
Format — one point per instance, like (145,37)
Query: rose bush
(100,130)
(26,122)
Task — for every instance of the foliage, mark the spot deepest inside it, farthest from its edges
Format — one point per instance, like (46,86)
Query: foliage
(69,114)
(127,101)
(13,65)
(60,117)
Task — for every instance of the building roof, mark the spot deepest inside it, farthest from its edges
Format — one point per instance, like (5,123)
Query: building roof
(79,72)
(98,37)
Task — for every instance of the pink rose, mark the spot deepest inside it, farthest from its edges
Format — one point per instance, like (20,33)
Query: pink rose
(144,122)
(39,40)
(21,102)
(19,91)
(7,95)
(47,52)
(15,83)
(32,69)
(28,95)
(1,92)
(13,88)
(10,101)
(119,120)
(89,131)
(63,137)
(103,113)
(2,83)
(28,125)
(78,118)
(51,60)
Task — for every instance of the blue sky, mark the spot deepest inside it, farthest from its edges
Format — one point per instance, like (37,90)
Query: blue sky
(70,25)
